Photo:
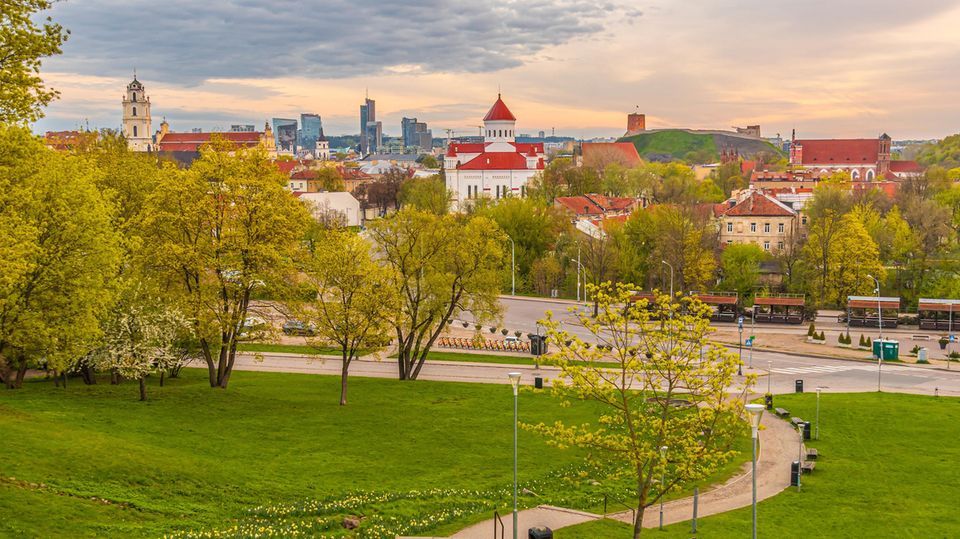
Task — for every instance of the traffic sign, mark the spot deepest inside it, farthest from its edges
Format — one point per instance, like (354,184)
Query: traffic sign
(740,322)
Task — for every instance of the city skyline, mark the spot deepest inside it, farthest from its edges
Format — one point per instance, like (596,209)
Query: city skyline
(824,69)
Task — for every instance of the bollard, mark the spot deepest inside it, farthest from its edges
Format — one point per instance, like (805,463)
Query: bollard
(696,500)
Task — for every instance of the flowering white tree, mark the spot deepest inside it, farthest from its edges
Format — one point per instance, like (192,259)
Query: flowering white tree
(141,339)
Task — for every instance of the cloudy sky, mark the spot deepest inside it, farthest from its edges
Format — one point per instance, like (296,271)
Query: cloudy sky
(839,68)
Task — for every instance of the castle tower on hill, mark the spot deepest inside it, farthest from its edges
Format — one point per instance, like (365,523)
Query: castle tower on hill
(136,118)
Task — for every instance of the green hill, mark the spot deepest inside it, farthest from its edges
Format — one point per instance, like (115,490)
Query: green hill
(697,147)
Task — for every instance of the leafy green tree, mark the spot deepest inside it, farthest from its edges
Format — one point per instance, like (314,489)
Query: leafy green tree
(440,267)
(428,194)
(741,268)
(352,298)
(837,258)
(728,178)
(23,45)
(429,161)
(644,359)
(216,233)
(329,179)
(58,256)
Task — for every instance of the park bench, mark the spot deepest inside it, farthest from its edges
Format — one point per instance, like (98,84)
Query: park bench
(812,453)
(808,466)
(782,412)
(796,421)
(920,337)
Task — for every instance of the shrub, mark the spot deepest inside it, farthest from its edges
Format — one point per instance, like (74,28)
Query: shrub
(466,324)
(812,330)
(840,339)
(915,350)
(517,334)
(493,329)
(953,356)
(863,341)
(504,332)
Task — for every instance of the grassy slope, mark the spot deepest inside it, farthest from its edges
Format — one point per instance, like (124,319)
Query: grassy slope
(675,143)
(888,469)
(195,458)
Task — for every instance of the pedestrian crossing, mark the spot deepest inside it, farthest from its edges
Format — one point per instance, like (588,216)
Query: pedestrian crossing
(832,369)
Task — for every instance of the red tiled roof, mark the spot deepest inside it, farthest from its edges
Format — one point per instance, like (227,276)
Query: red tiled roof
(303,175)
(626,149)
(747,166)
(180,142)
(67,140)
(905,166)
(758,204)
(499,111)
(498,161)
(466,147)
(579,205)
(527,147)
(839,151)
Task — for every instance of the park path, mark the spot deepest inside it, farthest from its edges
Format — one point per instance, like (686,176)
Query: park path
(779,447)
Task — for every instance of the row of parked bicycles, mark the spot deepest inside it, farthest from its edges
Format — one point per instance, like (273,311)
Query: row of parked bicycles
(509,344)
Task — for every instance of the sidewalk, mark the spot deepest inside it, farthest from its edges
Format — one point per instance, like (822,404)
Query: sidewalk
(778,448)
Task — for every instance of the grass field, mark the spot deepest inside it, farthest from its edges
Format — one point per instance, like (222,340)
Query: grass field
(675,143)
(888,468)
(273,451)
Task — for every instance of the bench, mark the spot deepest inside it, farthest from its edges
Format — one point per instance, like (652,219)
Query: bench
(812,453)
(797,421)
(920,337)
(782,412)
(808,466)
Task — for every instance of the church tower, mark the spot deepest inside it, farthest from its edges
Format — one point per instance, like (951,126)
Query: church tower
(136,118)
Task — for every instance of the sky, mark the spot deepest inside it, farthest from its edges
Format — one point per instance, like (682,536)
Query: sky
(826,68)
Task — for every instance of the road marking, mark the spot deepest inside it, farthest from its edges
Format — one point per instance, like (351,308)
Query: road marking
(829,369)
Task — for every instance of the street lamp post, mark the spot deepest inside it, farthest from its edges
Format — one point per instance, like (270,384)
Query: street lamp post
(515,382)
(880,325)
(513,266)
(578,271)
(769,375)
(663,479)
(818,413)
(671,278)
(755,411)
(800,455)
(740,349)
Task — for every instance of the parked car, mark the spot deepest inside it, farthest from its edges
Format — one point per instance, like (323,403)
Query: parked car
(298,327)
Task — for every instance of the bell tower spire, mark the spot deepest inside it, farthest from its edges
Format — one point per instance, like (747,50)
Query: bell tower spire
(136,117)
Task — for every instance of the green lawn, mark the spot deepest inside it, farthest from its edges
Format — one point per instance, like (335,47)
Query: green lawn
(888,468)
(274,451)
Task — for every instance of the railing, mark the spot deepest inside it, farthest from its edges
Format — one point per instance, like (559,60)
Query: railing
(607,498)
(496,518)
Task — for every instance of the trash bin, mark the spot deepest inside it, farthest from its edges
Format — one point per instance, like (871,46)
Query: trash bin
(795,473)
(890,349)
(534,344)
(540,532)
(799,386)
(922,355)
(768,399)
(806,430)
(538,382)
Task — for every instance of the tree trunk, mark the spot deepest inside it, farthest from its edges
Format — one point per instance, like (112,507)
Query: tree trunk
(89,376)
(143,388)
(21,372)
(114,377)
(638,522)
(162,372)
(64,379)
(343,379)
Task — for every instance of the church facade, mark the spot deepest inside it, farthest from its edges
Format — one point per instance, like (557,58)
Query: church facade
(498,167)
(136,118)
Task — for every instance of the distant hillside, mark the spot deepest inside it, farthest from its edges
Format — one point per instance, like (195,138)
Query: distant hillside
(695,146)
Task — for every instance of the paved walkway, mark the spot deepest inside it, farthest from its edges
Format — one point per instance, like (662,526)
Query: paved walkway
(779,447)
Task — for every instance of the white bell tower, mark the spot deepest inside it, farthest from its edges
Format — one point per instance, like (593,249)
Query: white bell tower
(136,118)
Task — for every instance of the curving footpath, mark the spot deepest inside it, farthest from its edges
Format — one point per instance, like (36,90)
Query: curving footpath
(778,448)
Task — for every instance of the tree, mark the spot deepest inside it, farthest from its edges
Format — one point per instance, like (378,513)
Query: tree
(546,274)
(826,210)
(352,298)
(428,194)
(440,266)
(214,234)
(600,257)
(329,179)
(58,256)
(741,268)
(647,359)
(22,46)
(837,258)
(728,178)
(142,336)
(428,161)
(383,193)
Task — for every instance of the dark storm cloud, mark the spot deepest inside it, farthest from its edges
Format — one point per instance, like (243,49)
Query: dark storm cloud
(197,40)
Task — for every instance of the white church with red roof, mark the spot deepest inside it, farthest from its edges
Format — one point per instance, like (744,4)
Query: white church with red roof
(499,167)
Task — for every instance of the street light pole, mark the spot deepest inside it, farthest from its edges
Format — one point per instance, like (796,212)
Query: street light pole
(769,375)
(818,413)
(663,480)
(578,271)
(515,382)
(671,278)
(755,411)
(800,455)
(880,325)
(513,267)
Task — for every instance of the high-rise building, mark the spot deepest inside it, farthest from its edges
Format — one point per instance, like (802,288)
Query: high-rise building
(136,118)
(416,134)
(374,137)
(242,128)
(310,127)
(368,115)
(285,133)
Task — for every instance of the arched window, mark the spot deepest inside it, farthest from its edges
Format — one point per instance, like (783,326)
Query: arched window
(134,131)
(134,97)
(134,111)
(870,176)
(855,175)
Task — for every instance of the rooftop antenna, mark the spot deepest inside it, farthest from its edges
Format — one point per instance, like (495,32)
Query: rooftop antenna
(498,90)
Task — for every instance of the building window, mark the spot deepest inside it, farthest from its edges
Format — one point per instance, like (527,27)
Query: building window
(780,228)
(779,245)
(766,227)
(729,242)
(134,111)
(803,220)
(766,246)
(523,190)
(134,131)
(134,97)
(498,191)
(730,226)
(753,227)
